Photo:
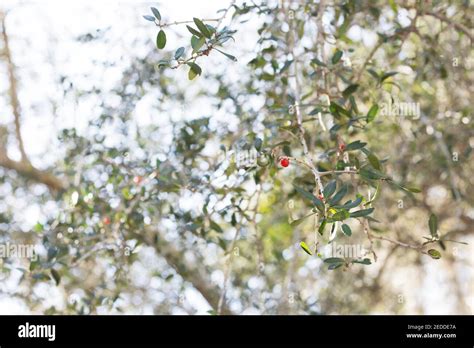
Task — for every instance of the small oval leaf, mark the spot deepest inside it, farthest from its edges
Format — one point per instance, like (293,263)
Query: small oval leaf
(435,254)
(347,230)
(161,39)
(156,13)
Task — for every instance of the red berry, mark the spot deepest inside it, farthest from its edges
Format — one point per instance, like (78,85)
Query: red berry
(321,197)
(106,220)
(137,179)
(342,147)
(285,162)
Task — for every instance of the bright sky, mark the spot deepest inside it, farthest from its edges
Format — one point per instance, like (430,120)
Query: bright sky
(43,42)
(43,39)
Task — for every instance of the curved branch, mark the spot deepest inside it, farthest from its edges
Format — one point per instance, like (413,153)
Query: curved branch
(26,170)
(192,274)
(24,166)
(445,19)
(13,92)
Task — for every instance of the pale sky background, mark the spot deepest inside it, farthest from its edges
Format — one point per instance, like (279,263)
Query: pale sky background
(43,41)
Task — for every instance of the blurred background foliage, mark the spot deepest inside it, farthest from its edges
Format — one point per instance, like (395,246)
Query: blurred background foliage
(124,173)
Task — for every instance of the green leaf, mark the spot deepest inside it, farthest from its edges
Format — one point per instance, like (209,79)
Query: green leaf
(161,40)
(333,266)
(377,190)
(372,113)
(149,18)
(211,29)
(193,31)
(338,110)
(349,90)
(433,224)
(202,28)
(317,62)
(156,13)
(387,75)
(257,143)
(286,66)
(38,227)
(355,145)
(371,174)
(340,215)
(329,189)
(346,230)
(296,222)
(322,226)
(215,226)
(197,43)
(334,260)
(34,264)
(365,261)
(179,52)
(339,195)
(361,213)
(305,248)
(393,6)
(56,276)
(350,204)
(311,197)
(435,254)
(374,161)
(373,73)
(163,63)
(194,70)
(231,57)
(41,276)
(353,104)
(336,57)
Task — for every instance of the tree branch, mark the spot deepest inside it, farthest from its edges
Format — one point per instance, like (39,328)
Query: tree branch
(13,92)
(445,19)
(299,116)
(24,166)
(193,274)
(26,170)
